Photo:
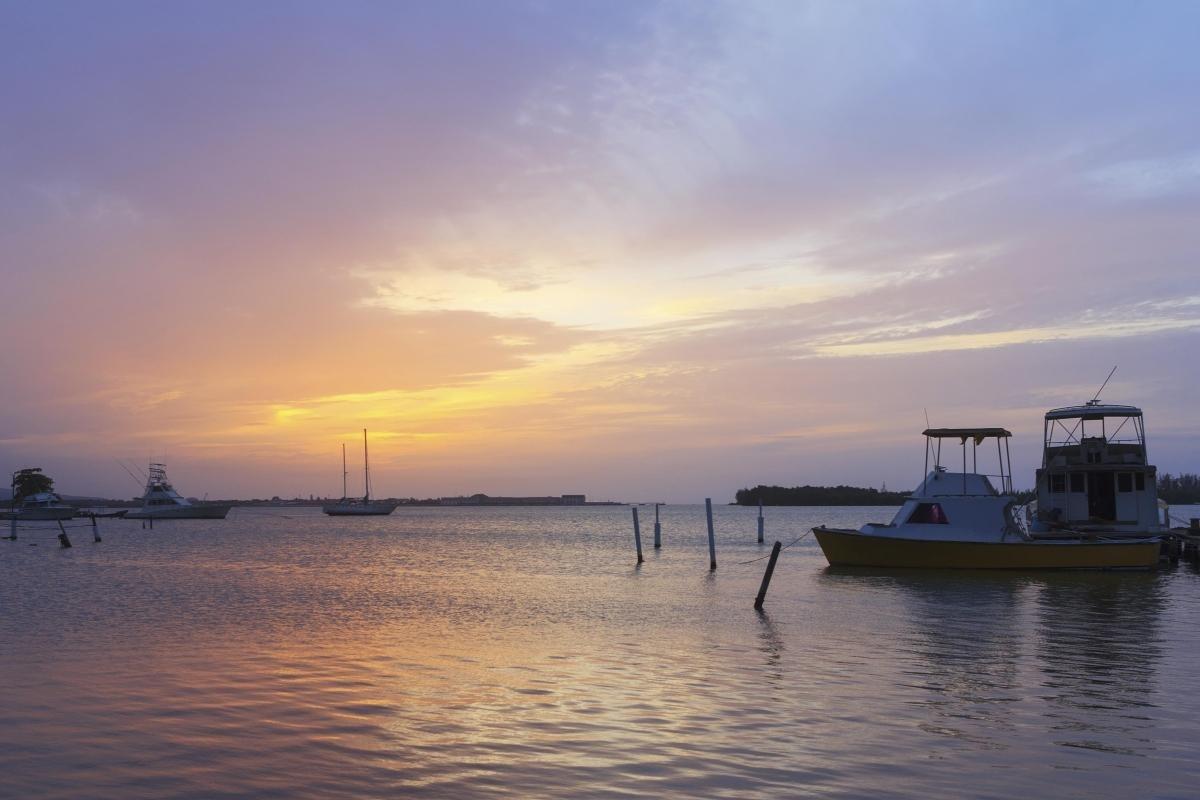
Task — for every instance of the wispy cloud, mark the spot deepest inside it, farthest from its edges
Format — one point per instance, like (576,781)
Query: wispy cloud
(701,243)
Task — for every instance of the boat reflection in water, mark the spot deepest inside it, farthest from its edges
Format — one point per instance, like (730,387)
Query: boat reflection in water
(1011,661)
(1100,640)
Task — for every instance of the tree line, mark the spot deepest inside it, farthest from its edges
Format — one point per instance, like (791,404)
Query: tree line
(1182,489)
(818,496)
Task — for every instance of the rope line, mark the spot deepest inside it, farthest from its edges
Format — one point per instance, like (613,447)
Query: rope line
(768,555)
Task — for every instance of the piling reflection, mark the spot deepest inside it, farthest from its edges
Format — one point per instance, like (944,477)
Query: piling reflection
(770,644)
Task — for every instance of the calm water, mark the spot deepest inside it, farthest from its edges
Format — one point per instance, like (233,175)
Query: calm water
(519,652)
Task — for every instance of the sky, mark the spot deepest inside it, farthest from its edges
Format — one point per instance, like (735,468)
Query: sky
(638,250)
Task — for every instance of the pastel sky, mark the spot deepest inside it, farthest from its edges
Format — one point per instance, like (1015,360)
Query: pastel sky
(646,251)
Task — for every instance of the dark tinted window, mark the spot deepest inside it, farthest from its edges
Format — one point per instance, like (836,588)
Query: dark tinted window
(1139,480)
(1124,482)
(1058,483)
(929,514)
(1077,481)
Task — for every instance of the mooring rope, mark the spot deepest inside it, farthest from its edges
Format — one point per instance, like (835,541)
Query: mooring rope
(768,555)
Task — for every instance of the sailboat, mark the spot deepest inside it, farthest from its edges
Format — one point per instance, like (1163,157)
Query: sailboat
(359,506)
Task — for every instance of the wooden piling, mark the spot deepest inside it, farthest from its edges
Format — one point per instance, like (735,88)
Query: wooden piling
(760,521)
(62,537)
(637,535)
(657,528)
(95,530)
(766,581)
(712,542)
(12,529)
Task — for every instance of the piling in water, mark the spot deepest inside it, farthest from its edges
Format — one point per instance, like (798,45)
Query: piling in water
(637,535)
(62,537)
(760,521)
(712,542)
(95,529)
(12,529)
(657,528)
(766,581)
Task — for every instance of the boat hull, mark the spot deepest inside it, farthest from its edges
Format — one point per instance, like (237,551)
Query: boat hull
(40,514)
(847,548)
(207,511)
(360,510)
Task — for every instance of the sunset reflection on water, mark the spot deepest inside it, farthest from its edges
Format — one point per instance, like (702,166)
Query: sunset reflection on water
(521,652)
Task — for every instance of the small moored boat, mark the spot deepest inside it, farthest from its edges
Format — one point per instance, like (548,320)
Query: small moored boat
(959,520)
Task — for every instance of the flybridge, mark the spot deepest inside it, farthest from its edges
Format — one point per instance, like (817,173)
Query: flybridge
(1094,434)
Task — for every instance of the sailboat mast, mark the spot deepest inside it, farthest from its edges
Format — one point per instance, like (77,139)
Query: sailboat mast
(344,473)
(366,470)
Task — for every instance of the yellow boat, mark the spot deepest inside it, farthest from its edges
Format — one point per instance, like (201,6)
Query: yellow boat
(849,548)
(959,520)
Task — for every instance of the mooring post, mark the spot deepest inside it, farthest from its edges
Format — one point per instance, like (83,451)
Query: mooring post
(62,537)
(152,523)
(762,590)
(657,528)
(95,529)
(712,542)
(760,521)
(637,535)
(12,529)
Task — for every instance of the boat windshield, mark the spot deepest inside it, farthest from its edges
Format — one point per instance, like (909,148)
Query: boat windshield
(929,514)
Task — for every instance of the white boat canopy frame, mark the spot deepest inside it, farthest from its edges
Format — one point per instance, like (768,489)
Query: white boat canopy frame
(1068,427)
(976,436)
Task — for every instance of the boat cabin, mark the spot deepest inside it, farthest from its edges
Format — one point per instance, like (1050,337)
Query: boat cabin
(959,506)
(1095,473)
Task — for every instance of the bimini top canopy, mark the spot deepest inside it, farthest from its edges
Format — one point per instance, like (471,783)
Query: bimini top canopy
(1093,411)
(978,434)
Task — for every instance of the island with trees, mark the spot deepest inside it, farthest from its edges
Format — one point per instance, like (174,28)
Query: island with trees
(818,496)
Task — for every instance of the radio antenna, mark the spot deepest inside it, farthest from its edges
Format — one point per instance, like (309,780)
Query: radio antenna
(128,472)
(1101,389)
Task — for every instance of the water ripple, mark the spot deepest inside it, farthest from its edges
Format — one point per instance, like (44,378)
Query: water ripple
(516,653)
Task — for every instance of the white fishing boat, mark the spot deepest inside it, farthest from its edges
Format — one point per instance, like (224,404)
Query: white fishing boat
(359,506)
(960,520)
(161,501)
(43,506)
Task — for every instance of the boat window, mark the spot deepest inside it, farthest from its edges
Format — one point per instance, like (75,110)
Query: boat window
(1139,481)
(1124,482)
(1058,483)
(1077,482)
(929,514)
